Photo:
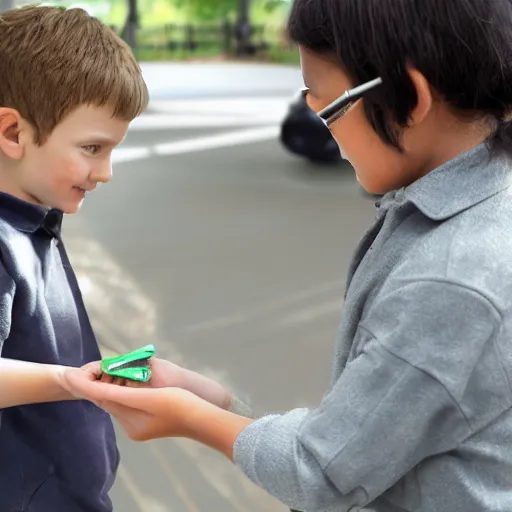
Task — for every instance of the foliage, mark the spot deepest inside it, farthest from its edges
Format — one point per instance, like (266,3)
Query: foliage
(274,5)
(216,9)
(208,9)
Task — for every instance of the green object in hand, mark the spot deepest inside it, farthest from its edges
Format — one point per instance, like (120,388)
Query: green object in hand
(132,366)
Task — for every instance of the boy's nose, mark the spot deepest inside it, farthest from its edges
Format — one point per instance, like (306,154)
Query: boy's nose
(103,173)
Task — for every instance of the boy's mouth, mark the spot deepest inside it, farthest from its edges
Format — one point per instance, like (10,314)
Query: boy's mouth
(84,191)
(80,191)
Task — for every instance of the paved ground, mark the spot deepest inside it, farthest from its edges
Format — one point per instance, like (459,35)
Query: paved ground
(185,80)
(227,253)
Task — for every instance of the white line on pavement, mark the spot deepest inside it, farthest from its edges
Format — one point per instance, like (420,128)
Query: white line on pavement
(169,121)
(196,144)
(240,106)
(121,155)
(217,141)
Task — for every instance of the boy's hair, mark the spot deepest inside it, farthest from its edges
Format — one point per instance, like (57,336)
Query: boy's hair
(53,60)
(462,47)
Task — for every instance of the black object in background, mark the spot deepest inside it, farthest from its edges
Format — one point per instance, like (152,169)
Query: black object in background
(305,134)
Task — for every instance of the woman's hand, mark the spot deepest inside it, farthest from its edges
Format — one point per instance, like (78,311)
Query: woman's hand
(150,413)
(166,374)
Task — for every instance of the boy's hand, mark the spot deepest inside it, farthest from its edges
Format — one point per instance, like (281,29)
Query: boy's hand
(141,412)
(169,375)
(25,383)
(166,412)
(164,374)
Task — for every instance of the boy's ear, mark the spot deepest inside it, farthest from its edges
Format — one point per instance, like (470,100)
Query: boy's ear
(11,144)
(424,95)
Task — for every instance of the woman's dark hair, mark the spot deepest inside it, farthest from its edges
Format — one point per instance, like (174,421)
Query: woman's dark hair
(462,47)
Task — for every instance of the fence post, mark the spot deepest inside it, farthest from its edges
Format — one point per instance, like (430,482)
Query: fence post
(243,29)
(227,35)
(189,38)
(132,24)
(168,32)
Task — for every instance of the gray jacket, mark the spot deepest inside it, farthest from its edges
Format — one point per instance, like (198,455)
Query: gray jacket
(418,416)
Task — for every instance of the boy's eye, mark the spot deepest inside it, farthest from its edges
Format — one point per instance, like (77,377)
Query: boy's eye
(93,149)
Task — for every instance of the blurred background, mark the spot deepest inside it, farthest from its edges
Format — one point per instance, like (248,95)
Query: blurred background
(225,236)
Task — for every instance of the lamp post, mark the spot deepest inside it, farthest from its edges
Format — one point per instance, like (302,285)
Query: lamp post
(131,25)
(243,29)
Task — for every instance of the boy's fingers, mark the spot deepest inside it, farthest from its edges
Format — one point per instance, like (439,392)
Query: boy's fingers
(98,391)
(134,384)
(94,367)
(107,378)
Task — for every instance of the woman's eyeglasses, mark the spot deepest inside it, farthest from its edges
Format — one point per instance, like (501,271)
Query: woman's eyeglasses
(339,107)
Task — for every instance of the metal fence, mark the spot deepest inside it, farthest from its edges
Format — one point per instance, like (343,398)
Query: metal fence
(223,37)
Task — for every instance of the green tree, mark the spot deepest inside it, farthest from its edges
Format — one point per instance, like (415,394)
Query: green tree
(216,9)
(208,9)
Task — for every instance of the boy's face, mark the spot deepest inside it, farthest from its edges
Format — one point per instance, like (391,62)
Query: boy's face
(73,160)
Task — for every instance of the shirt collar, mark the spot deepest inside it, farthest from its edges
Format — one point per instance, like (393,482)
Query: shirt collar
(457,185)
(28,217)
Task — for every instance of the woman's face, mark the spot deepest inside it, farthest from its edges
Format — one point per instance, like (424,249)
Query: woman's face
(378,166)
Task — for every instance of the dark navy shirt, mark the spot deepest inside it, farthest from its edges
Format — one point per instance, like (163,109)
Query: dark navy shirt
(62,456)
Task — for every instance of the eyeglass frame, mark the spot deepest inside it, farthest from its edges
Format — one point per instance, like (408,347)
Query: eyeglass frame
(340,106)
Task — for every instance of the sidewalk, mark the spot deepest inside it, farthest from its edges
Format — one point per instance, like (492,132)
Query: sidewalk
(180,80)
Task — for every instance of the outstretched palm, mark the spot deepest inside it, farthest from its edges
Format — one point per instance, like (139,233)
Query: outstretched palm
(164,374)
(169,375)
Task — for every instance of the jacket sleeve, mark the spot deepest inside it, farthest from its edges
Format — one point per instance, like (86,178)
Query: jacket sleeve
(399,401)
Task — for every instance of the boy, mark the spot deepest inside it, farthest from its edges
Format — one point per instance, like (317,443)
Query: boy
(419,413)
(68,91)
